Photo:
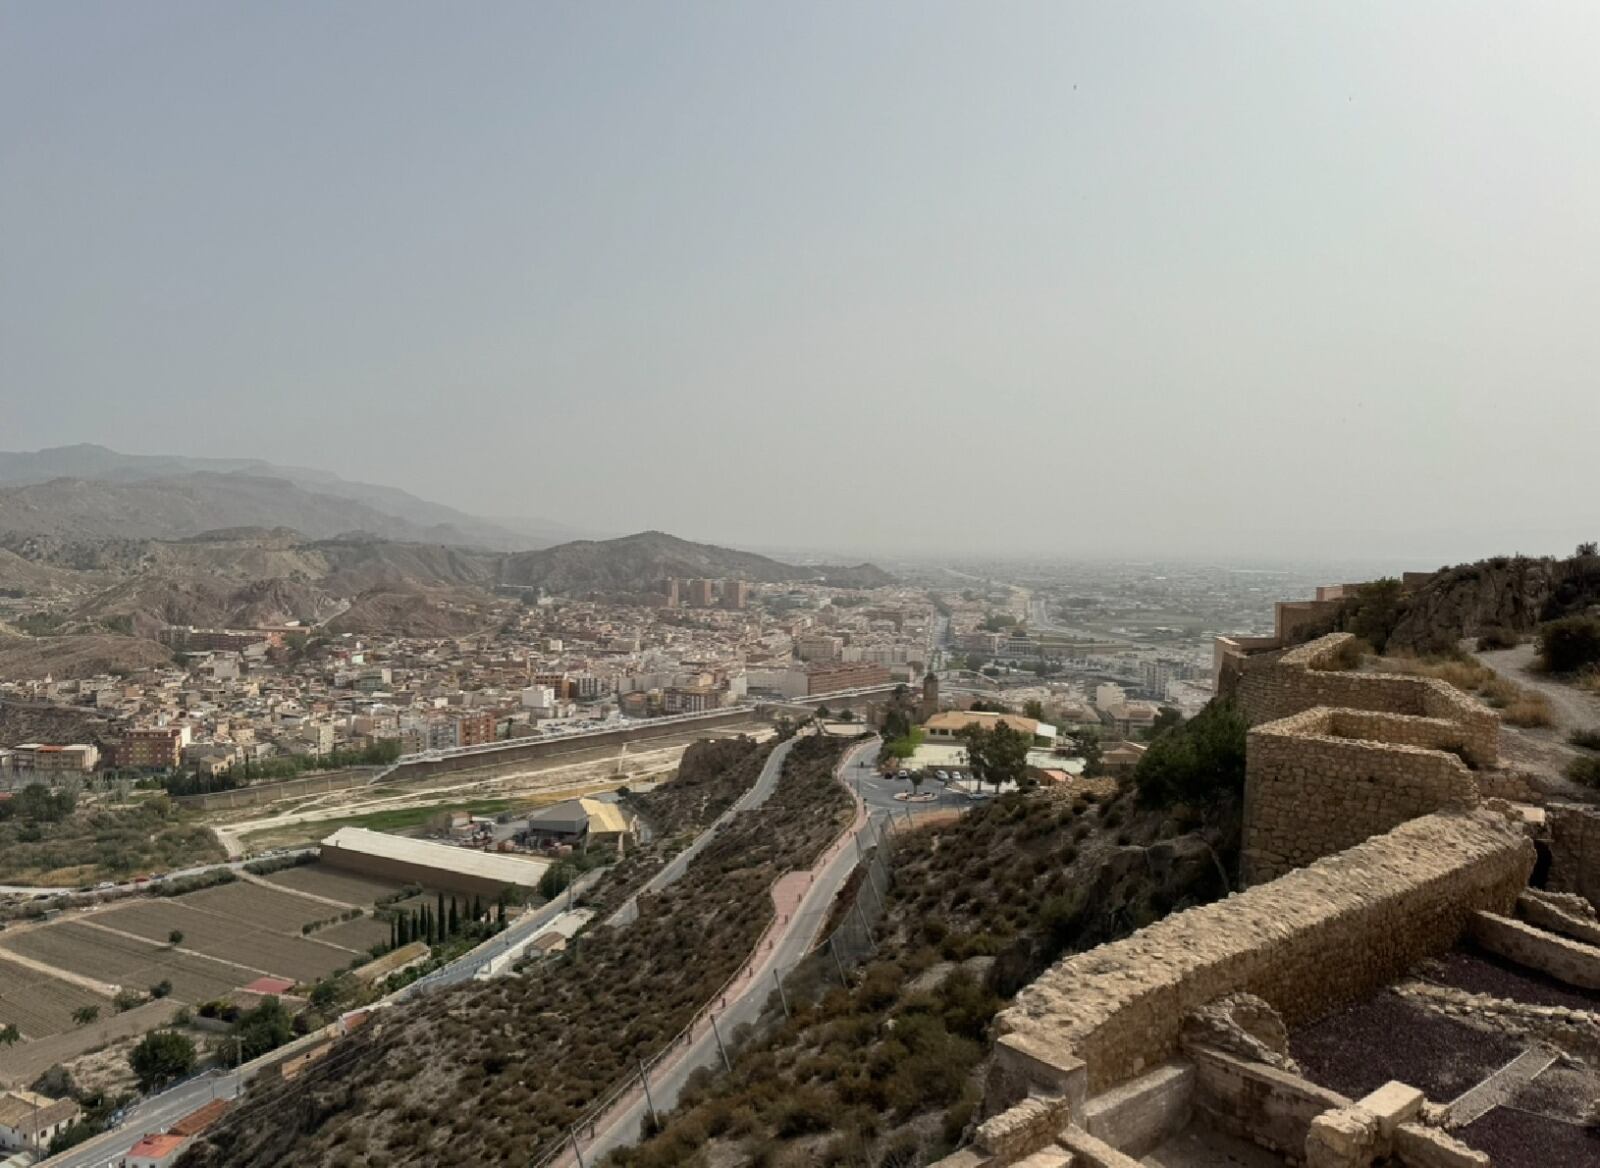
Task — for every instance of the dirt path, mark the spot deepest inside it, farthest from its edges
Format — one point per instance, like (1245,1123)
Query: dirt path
(1545,751)
(1572,707)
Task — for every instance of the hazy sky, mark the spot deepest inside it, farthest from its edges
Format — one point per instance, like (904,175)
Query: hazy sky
(1276,278)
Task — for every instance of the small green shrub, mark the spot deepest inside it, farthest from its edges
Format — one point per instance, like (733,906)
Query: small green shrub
(1570,644)
(1584,770)
(1586,739)
(1497,637)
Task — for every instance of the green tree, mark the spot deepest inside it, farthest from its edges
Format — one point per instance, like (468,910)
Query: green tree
(1166,719)
(1197,763)
(1086,745)
(9,1034)
(998,755)
(161,1057)
(331,993)
(556,878)
(265,1028)
(1034,709)
(1570,644)
(1373,612)
(85,1015)
(161,989)
(175,937)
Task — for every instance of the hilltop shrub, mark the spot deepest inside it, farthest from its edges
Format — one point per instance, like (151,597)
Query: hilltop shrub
(1585,770)
(1585,739)
(1570,644)
(1497,637)
(1200,762)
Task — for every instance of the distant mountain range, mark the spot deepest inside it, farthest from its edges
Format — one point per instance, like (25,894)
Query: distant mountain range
(638,563)
(91,492)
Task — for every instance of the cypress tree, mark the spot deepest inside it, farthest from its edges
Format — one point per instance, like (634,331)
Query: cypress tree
(455,918)
(440,917)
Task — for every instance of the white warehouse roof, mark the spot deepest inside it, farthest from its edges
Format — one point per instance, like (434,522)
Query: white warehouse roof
(465,861)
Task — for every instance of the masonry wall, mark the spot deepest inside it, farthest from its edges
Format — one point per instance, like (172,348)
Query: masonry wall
(1324,780)
(1308,942)
(1574,850)
(1272,686)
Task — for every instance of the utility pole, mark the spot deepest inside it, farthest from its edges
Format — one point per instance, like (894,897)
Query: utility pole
(726,1065)
(782,997)
(644,1081)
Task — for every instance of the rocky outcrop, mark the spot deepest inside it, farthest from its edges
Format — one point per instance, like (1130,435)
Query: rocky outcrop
(1509,592)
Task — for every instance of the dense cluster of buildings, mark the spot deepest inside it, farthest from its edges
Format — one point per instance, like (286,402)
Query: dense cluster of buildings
(242,698)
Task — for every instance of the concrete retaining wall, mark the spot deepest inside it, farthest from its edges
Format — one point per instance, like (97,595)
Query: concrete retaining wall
(513,754)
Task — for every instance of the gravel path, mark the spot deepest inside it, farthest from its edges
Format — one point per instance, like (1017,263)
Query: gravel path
(1573,708)
(1544,752)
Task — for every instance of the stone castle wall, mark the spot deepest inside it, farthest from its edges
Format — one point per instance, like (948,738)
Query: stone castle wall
(1307,942)
(1575,850)
(1272,686)
(1326,779)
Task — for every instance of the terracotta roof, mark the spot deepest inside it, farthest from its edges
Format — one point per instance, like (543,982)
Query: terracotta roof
(269,985)
(197,1121)
(155,1147)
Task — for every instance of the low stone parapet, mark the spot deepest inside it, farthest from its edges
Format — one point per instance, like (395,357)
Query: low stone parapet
(1307,943)
(1562,958)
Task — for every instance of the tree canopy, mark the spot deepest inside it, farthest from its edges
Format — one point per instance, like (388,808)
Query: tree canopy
(998,755)
(1199,762)
(161,1057)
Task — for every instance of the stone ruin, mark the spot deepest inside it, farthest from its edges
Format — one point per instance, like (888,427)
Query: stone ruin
(1376,838)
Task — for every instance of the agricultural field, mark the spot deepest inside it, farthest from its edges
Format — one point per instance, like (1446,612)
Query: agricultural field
(245,939)
(39,1005)
(262,908)
(125,961)
(360,934)
(345,887)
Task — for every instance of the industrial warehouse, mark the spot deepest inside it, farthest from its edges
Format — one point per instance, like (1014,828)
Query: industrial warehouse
(432,865)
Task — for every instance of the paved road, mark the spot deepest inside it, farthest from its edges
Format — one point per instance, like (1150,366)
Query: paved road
(878,792)
(788,942)
(153,1115)
(759,792)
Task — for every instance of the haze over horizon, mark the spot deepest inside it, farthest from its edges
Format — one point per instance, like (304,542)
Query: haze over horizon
(1031,280)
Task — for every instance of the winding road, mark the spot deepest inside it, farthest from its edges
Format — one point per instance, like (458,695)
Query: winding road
(802,901)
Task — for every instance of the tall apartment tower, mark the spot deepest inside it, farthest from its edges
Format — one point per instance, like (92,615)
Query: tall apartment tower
(735,594)
(702,593)
(672,593)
